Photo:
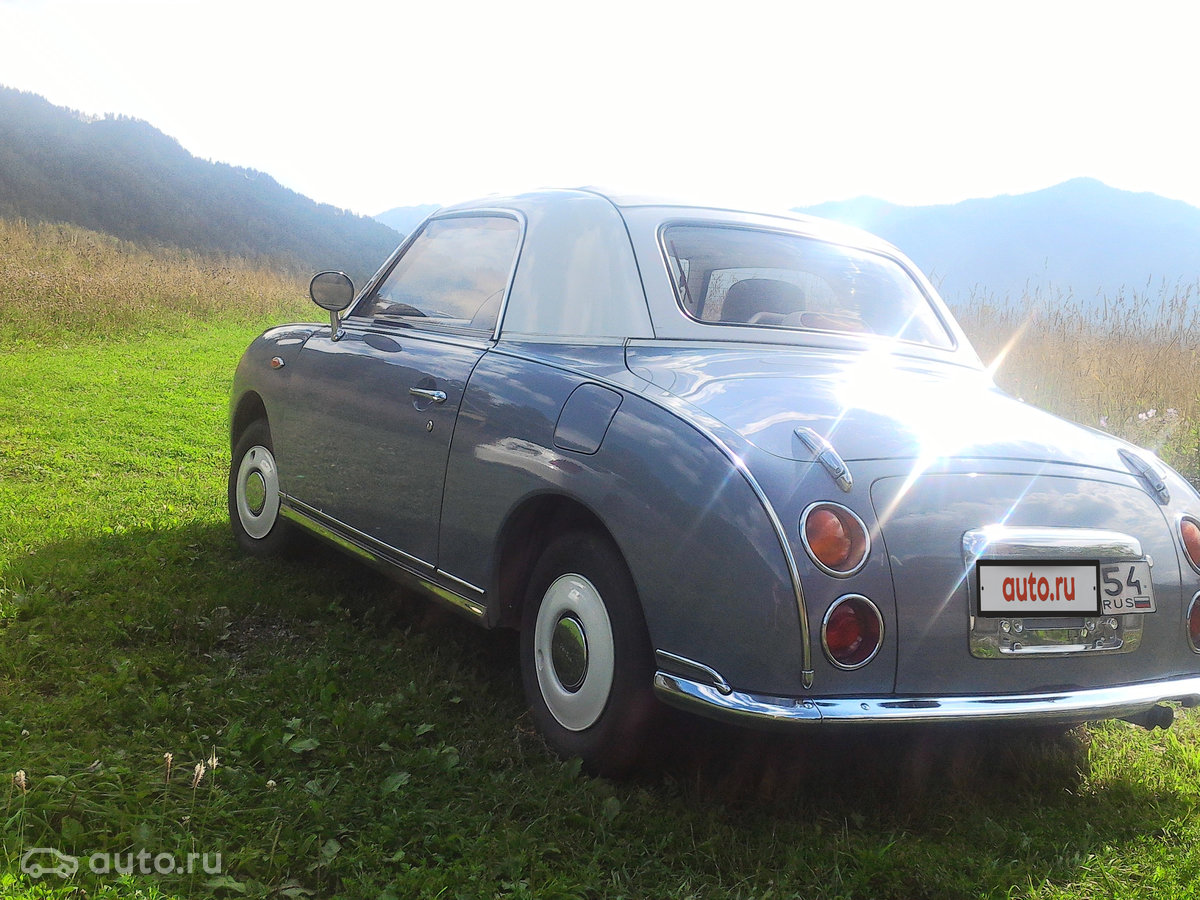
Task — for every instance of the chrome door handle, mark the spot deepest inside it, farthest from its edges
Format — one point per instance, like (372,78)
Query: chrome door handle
(435,396)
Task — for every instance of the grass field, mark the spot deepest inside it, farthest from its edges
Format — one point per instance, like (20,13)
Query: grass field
(366,745)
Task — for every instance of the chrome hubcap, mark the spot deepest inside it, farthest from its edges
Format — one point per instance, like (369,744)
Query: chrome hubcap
(257,492)
(568,653)
(573,652)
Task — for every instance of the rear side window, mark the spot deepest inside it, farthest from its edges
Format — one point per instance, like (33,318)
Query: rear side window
(454,274)
(727,275)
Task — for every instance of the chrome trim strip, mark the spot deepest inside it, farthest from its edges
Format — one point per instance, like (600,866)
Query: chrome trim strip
(461,583)
(1044,708)
(394,562)
(1187,621)
(372,546)
(1015,542)
(711,675)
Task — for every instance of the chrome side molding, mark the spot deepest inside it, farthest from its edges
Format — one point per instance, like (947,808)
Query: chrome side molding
(393,562)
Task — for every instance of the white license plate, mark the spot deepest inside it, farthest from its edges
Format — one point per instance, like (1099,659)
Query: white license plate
(1126,588)
(1022,589)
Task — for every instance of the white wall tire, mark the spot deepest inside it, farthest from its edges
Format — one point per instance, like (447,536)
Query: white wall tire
(256,492)
(575,689)
(586,659)
(253,494)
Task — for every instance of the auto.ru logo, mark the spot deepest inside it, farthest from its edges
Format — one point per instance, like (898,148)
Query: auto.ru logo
(47,861)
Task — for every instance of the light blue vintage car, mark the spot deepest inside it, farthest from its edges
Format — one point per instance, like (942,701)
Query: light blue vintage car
(747,465)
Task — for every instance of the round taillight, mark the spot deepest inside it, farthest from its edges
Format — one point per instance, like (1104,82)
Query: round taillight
(1189,530)
(835,538)
(1194,623)
(852,631)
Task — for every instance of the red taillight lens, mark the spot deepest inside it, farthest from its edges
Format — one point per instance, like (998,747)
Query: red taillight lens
(852,631)
(835,538)
(1190,532)
(1194,623)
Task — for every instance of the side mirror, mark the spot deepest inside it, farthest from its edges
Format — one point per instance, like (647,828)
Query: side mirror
(332,291)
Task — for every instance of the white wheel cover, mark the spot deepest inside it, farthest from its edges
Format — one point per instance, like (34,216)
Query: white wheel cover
(576,596)
(258,460)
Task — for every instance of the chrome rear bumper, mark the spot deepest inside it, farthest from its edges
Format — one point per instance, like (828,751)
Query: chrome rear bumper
(1058,707)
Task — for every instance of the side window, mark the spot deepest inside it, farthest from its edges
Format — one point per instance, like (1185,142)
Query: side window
(452,275)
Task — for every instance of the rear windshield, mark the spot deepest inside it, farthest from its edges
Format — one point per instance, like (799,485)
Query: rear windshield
(727,275)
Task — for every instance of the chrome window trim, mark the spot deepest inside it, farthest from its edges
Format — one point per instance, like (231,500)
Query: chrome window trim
(825,621)
(813,556)
(800,233)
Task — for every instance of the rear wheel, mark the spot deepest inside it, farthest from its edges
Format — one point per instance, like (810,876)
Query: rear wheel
(254,494)
(586,659)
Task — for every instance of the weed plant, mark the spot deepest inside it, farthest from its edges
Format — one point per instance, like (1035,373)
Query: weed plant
(1127,364)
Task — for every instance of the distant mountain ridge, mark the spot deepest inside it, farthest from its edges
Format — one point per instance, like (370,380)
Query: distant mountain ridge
(126,178)
(1080,237)
(405,218)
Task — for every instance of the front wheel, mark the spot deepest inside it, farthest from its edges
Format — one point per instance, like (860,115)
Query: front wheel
(254,494)
(586,659)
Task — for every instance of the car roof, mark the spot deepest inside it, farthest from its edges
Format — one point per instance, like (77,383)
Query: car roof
(788,219)
(591,269)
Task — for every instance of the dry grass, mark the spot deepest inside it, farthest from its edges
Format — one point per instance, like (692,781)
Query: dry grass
(1127,364)
(58,280)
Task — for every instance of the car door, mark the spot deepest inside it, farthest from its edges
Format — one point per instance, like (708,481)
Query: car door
(373,410)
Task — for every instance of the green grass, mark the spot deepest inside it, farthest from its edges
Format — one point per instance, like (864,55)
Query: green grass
(371,746)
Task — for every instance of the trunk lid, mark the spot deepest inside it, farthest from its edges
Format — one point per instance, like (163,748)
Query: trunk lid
(867,405)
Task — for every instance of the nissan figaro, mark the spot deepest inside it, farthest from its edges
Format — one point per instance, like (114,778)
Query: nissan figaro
(746,465)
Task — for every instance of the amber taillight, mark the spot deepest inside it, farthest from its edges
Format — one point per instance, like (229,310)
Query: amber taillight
(1189,530)
(835,538)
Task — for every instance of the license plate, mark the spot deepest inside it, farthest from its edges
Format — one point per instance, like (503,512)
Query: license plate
(1024,589)
(1126,588)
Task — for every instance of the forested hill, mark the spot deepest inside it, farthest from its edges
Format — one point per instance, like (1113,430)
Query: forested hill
(125,177)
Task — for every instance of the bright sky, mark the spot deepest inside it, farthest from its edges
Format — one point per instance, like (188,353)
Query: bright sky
(371,105)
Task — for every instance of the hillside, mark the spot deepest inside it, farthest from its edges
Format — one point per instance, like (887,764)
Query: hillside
(1080,237)
(126,178)
(405,218)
